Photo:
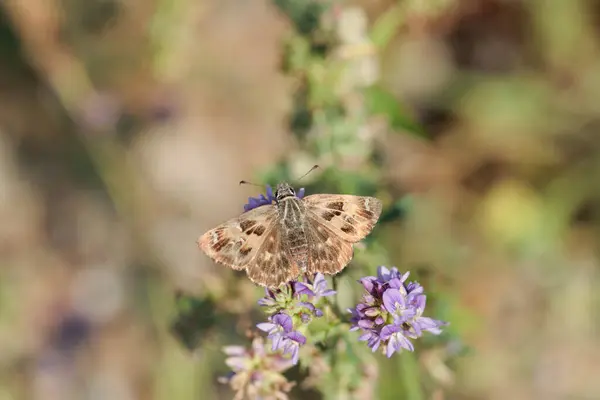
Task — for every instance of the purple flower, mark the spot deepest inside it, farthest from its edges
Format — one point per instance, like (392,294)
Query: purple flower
(292,306)
(395,338)
(256,371)
(297,297)
(395,302)
(317,288)
(372,338)
(283,337)
(291,345)
(261,200)
(390,312)
(277,329)
(268,300)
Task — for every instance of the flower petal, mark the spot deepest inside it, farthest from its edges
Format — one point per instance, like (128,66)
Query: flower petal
(430,325)
(392,298)
(310,306)
(297,337)
(374,343)
(388,331)
(367,283)
(366,324)
(319,280)
(301,288)
(266,326)
(237,363)
(372,312)
(414,287)
(383,274)
(283,320)
(295,350)
(404,277)
(276,342)
(392,346)
(234,350)
(404,342)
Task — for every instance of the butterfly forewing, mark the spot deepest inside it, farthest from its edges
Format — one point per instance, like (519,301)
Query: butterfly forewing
(349,217)
(237,242)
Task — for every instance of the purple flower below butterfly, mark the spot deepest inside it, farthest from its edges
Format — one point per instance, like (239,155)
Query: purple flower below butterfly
(283,337)
(262,200)
(390,312)
(256,370)
(317,288)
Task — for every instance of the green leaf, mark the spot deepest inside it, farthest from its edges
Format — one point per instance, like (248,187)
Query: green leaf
(387,25)
(195,318)
(381,102)
(396,211)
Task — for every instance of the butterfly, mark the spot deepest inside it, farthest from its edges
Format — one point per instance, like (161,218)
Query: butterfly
(274,243)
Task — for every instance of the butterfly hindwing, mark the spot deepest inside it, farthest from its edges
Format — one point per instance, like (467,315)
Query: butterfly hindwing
(272,265)
(328,253)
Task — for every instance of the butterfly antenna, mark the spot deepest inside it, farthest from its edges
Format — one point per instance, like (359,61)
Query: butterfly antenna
(309,171)
(250,183)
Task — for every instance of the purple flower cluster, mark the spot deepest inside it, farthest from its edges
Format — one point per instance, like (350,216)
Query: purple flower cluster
(256,372)
(280,332)
(290,308)
(262,200)
(390,313)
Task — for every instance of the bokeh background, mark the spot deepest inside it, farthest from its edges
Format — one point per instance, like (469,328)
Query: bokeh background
(125,127)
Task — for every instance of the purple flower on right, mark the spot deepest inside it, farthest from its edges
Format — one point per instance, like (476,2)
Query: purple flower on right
(390,313)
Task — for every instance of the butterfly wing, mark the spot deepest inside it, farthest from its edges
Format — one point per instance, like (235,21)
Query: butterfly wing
(327,252)
(349,217)
(335,222)
(272,265)
(236,242)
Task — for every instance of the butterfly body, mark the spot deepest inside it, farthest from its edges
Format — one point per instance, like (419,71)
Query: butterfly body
(274,243)
(292,219)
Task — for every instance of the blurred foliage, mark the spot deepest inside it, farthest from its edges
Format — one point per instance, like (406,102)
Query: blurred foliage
(124,128)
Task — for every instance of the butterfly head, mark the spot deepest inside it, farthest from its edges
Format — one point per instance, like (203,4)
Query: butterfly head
(283,191)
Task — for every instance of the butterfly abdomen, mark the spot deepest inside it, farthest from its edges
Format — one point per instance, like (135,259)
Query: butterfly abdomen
(293,222)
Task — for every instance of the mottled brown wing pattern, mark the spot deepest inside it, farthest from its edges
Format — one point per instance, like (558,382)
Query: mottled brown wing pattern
(349,217)
(327,253)
(237,242)
(254,241)
(272,265)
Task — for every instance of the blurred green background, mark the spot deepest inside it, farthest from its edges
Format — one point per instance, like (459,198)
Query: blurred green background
(125,127)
